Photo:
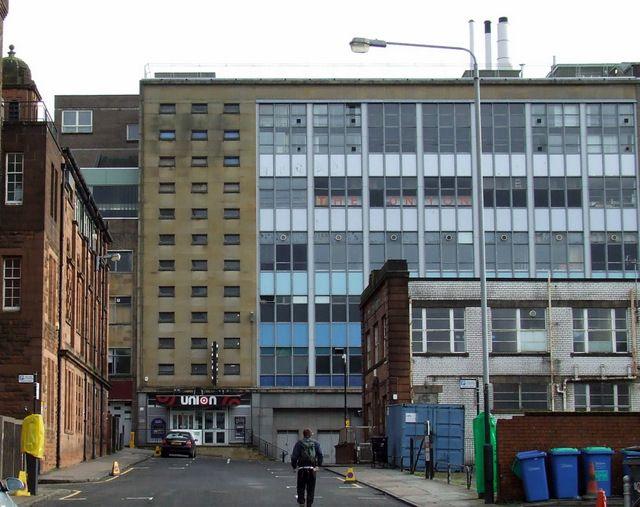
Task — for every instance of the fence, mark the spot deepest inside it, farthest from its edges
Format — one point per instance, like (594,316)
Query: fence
(10,457)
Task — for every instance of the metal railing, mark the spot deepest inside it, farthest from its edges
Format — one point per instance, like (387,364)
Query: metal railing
(29,112)
(268,449)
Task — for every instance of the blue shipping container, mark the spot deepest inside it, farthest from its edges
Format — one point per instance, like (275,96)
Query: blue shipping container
(406,421)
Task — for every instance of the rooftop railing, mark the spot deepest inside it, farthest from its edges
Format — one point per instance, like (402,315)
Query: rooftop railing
(29,112)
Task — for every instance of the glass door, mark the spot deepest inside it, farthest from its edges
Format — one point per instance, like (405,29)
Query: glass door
(215,432)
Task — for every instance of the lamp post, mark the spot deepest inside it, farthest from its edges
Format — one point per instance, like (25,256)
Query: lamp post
(362,45)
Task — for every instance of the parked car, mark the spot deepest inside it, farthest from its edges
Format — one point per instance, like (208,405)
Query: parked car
(178,442)
(9,486)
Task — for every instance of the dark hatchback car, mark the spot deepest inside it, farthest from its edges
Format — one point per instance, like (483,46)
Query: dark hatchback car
(178,442)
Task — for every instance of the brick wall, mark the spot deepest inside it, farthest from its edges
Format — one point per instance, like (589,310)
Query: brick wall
(545,431)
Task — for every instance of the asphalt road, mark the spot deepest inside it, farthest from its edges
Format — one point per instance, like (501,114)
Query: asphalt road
(207,481)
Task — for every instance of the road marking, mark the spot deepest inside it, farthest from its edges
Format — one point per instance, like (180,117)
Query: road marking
(352,486)
(177,468)
(116,476)
(71,495)
(141,468)
(148,498)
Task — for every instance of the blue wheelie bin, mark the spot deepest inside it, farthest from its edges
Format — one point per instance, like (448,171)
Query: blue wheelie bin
(563,465)
(597,460)
(629,452)
(530,467)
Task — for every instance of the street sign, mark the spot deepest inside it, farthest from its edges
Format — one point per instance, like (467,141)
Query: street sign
(26,379)
(468,383)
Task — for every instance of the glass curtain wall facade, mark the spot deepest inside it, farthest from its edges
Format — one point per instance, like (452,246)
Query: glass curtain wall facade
(345,186)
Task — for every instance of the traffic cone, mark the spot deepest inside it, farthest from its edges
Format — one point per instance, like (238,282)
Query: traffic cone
(115,469)
(592,484)
(157,452)
(601,501)
(22,475)
(351,476)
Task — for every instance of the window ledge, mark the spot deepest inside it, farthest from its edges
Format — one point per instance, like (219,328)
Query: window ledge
(600,354)
(440,354)
(520,354)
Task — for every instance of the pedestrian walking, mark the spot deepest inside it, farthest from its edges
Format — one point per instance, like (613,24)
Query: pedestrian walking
(306,458)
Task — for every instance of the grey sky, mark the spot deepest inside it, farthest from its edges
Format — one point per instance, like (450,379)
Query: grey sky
(95,46)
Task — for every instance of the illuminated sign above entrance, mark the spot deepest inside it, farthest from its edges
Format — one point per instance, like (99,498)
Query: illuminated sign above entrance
(198,400)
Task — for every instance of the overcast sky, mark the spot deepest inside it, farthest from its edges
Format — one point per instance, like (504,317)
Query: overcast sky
(102,47)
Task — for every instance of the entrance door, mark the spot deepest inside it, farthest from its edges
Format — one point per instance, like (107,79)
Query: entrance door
(328,441)
(286,440)
(123,411)
(215,427)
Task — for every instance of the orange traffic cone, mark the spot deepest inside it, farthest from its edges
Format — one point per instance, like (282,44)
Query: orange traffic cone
(592,484)
(602,499)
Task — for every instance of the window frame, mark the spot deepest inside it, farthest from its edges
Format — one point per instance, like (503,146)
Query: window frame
(14,177)
(133,138)
(454,316)
(10,301)
(588,407)
(612,330)
(519,330)
(74,128)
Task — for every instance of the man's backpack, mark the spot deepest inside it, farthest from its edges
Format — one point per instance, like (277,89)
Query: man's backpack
(308,454)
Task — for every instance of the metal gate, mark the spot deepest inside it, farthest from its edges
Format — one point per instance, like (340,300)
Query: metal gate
(328,441)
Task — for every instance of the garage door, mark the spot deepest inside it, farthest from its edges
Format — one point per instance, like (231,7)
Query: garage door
(328,441)
(286,440)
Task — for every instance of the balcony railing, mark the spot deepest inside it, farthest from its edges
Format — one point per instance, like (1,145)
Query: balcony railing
(29,112)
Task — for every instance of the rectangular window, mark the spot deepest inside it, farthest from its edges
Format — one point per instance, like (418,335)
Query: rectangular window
(124,264)
(77,122)
(166,265)
(199,265)
(14,181)
(518,330)
(198,291)
(231,135)
(446,128)
(198,343)
(119,361)
(614,251)
(522,396)
(166,317)
(198,368)
(166,343)
(199,108)
(601,397)
(11,287)
(199,239)
(120,310)
(232,317)
(167,135)
(167,162)
(167,239)
(165,369)
(231,108)
(166,213)
(167,109)
(232,343)
(198,213)
(231,188)
(231,265)
(231,161)
(133,132)
(199,135)
(232,239)
(198,317)
(166,291)
(232,291)
(199,161)
(438,330)
(167,188)
(199,188)
(600,330)
(232,369)
(231,213)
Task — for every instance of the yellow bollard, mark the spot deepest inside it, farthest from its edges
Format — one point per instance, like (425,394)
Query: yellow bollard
(157,451)
(132,440)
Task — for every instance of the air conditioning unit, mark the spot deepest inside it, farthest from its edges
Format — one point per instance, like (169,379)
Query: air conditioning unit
(338,237)
(504,237)
(559,237)
(393,237)
(283,237)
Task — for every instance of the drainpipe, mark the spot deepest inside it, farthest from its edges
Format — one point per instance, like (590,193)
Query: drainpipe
(61,265)
(550,321)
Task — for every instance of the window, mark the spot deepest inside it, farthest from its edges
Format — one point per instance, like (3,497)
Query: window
(610,128)
(557,192)
(601,397)
(167,239)
(448,252)
(614,251)
(11,288)
(232,239)
(198,239)
(199,161)
(231,135)
(392,192)
(231,188)
(518,330)
(283,128)
(232,291)
(523,396)
(125,264)
(612,192)
(198,343)
(231,265)
(116,201)
(231,108)
(231,213)
(166,317)
(503,128)
(232,343)
(167,188)
(507,252)
(232,317)
(199,108)
(199,265)
(167,213)
(199,188)
(120,310)
(231,369)
(503,192)
(198,291)
(231,161)
(198,368)
(119,361)
(14,182)
(167,109)
(166,265)
(167,135)
(133,132)
(167,162)
(600,330)
(166,343)
(165,369)
(77,122)
(198,317)
(198,213)
(166,291)
(446,128)
(199,135)
(438,330)
(559,252)
(392,128)
(447,191)
(556,128)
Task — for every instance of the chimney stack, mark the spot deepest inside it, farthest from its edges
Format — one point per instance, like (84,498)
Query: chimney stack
(471,41)
(487,45)
(503,44)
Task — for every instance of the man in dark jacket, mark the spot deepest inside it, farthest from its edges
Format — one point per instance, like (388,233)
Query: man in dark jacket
(306,457)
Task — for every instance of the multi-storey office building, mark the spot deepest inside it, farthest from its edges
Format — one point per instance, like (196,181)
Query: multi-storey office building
(102,131)
(334,177)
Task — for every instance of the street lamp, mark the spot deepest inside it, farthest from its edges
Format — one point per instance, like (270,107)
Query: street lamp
(343,353)
(113,257)
(362,45)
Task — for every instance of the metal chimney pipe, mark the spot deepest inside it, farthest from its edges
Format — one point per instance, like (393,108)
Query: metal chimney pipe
(471,41)
(487,45)
(503,43)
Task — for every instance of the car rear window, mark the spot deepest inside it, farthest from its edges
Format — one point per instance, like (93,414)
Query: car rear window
(178,435)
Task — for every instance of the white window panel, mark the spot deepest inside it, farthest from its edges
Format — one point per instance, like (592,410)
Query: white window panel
(298,219)
(629,220)
(489,222)
(518,164)
(627,164)
(354,219)
(283,219)
(541,217)
(501,164)
(431,220)
(376,164)
(266,165)
(574,219)
(393,220)
(392,164)
(339,283)
(300,283)
(338,219)
(337,165)
(596,219)
(430,162)
(321,165)
(573,164)
(447,164)
(558,220)
(595,164)
(611,164)
(267,284)
(321,219)
(448,219)
(540,164)
(556,164)
(283,283)
(376,219)
(298,165)
(283,165)
(354,164)
(487,164)
(520,219)
(465,219)
(503,219)
(266,220)
(409,164)
(410,219)
(463,164)
(614,219)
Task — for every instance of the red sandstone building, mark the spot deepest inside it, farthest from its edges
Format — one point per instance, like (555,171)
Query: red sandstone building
(54,313)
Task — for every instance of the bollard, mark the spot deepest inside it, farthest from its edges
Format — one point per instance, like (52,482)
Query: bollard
(448,473)
(626,490)
(468,472)
(283,454)
(411,465)
(402,463)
